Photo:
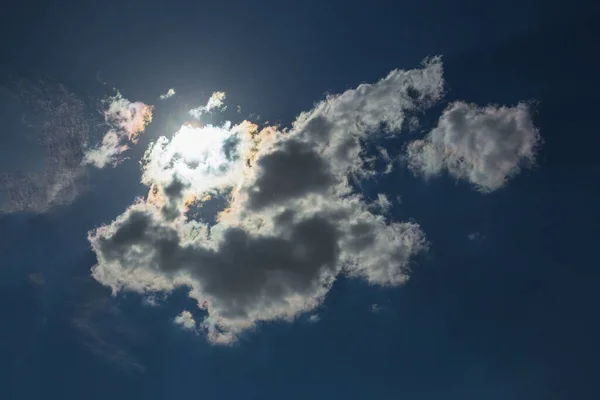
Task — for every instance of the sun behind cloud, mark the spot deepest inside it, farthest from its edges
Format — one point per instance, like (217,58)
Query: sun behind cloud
(293,222)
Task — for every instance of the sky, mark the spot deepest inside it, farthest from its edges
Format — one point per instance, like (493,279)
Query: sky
(299,199)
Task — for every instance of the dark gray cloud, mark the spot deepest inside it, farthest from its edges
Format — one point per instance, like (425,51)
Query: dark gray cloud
(292,170)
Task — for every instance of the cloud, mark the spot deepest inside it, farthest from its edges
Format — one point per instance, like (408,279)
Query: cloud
(483,145)
(61,126)
(107,153)
(293,222)
(64,129)
(186,320)
(127,121)
(382,203)
(170,93)
(313,319)
(389,162)
(216,101)
(475,237)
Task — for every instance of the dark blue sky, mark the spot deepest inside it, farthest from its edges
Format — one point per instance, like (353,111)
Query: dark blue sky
(512,315)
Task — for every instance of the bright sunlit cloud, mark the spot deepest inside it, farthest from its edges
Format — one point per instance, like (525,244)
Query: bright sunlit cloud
(203,158)
(127,120)
(170,93)
(216,101)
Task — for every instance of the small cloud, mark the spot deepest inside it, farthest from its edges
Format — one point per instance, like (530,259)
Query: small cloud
(475,237)
(483,145)
(36,279)
(127,121)
(216,101)
(313,319)
(129,117)
(383,203)
(186,320)
(150,301)
(375,308)
(103,329)
(170,93)
(389,162)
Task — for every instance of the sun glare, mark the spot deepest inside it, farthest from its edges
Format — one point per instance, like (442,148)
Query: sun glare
(202,145)
(203,157)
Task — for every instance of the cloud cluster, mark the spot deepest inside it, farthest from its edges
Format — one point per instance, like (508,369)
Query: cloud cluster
(483,145)
(127,121)
(170,93)
(215,102)
(293,221)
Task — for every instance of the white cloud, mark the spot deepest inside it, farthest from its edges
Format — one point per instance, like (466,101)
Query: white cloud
(389,167)
(483,145)
(170,93)
(382,203)
(216,101)
(111,146)
(186,320)
(127,121)
(292,223)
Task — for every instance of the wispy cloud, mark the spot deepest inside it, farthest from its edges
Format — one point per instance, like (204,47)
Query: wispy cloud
(127,121)
(62,129)
(104,330)
(65,127)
